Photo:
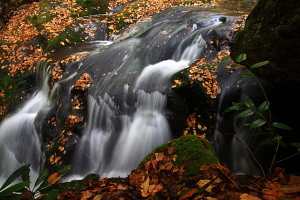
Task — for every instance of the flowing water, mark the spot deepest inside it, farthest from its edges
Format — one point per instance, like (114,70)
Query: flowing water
(120,136)
(19,142)
(126,105)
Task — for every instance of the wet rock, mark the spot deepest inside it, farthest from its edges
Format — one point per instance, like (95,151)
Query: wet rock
(272,33)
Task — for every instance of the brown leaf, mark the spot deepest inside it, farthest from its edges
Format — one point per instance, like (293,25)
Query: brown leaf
(246,196)
(155,188)
(154,163)
(98,197)
(86,194)
(271,194)
(171,150)
(288,189)
(53,178)
(122,187)
(189,193)
(154,179)
(159,156)
(166,166)
(294,179)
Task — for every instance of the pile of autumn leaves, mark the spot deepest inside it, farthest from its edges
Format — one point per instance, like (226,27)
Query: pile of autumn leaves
(159,178)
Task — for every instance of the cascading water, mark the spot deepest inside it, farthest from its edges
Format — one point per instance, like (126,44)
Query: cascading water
(126,105)
(235,142)
(19,142)
(141,130)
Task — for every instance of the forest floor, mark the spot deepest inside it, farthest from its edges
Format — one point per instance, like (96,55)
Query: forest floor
(159,179)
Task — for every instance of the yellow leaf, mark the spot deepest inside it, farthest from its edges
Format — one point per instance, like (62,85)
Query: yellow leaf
(246,196)
(202,183)
(86,194)
(144,187)
(98,197)
(53,178)
(164,32)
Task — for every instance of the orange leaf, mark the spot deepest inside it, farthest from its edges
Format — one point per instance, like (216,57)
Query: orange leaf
(271,194)
(171,150)
(166,166)
(246,196)
(155,188)
(53,178)
(86,194)
(189,193)
(159,156)
(154,178)
(154,163)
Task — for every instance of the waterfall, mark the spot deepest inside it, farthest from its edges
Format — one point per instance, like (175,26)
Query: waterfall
(19,142)
(233,141)
(140,125)
(126,112)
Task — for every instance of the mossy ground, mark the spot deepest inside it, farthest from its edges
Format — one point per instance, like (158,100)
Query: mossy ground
(60,41)
(198,151)
(38,20)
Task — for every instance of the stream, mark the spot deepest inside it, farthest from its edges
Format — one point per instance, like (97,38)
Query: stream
(127,105)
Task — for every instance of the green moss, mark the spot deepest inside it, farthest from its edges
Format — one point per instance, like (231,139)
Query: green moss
(60,41)
(197,150)
(87,3)
(43,4)
(90,177)
(93,7)
(38,20)
(182,75)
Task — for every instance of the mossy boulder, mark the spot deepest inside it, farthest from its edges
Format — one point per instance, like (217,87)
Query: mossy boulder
(191,151)
(272,33)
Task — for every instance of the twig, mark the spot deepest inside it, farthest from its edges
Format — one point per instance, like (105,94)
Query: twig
(249,152)
(287,157)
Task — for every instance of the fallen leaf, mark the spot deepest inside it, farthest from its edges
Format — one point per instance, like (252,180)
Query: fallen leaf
(271,194)
(166,166)
(203,183)
(86,194)
(189,193)
(154,179)
(53,178)
(294,179)
(155,188)
(288,189)
(98,197)
(246,196)
(122,187)
(171,150)
(145,187)
(159,156)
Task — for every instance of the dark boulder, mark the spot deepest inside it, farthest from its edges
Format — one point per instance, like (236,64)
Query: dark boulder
(272,32)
